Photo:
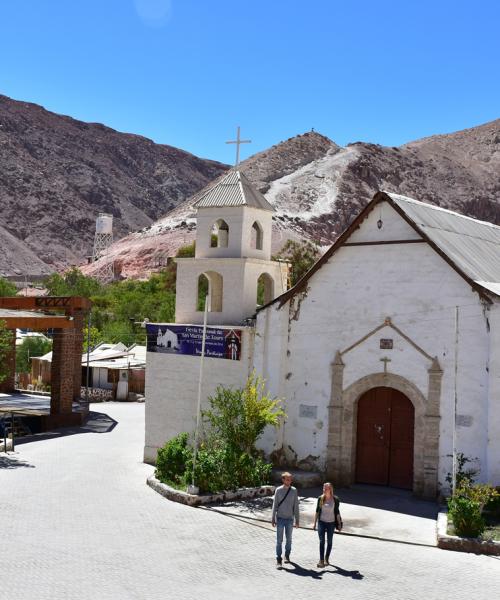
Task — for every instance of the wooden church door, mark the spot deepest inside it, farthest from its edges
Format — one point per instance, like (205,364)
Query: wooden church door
(384,452)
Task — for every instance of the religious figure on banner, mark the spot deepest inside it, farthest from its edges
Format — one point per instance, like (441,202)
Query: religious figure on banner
(233,345)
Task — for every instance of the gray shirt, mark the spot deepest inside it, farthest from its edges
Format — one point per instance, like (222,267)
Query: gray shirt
(328,512)
(289,508)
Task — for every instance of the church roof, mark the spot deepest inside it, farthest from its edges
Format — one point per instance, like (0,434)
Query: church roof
(233,190)
(470,246)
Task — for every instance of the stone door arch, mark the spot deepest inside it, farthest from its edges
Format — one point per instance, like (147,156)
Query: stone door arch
(341,451)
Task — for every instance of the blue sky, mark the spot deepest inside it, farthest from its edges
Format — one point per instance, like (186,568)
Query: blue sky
(187,72)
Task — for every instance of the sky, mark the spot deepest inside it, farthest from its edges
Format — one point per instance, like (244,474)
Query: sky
(188,72)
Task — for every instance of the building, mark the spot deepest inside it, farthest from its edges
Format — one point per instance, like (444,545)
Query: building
(114,368)
(386,354)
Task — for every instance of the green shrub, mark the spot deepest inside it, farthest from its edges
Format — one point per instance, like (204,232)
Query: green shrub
(220,468)
(174,460)
(493,505)
(227,458)
(466,516)
(466,507)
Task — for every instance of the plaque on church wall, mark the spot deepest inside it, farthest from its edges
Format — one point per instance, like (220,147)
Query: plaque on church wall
(308,411)
(386,344)
(464,420)
(187,339)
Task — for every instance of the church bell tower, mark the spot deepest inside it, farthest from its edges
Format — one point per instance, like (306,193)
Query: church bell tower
(233,256)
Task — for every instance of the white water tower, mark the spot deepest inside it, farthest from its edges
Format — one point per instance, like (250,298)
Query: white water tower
(102,241)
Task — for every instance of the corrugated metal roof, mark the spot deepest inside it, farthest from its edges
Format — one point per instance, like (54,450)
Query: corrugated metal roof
(472,245)
(14,312)
(233,190)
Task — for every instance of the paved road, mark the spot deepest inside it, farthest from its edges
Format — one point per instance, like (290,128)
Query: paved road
(77,521)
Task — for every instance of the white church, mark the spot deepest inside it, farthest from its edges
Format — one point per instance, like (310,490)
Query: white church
(386,354)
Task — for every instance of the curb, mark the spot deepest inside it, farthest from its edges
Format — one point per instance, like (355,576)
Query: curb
(196,500)
(459,544)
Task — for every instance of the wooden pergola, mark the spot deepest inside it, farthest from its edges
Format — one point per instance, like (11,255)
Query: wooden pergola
(65,315)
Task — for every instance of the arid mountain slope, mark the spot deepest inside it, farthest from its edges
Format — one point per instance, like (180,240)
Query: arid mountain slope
(318,187)
(57,174)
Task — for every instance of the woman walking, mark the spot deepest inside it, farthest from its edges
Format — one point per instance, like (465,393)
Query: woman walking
(327,517)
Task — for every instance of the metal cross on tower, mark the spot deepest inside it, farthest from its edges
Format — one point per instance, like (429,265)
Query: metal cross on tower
(238,141)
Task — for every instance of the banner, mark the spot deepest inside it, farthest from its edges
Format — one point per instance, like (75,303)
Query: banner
(187,339)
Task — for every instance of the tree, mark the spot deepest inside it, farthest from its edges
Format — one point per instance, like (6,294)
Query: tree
(239,416)
(302,257)
(7,288)
(30,347)
(5,349)
(72,283)
(95,337)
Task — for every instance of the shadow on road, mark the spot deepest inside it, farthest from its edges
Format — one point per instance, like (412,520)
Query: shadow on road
(315,574)
(9,462)
(252,506)
(345,573)
(95,423)
(390,499)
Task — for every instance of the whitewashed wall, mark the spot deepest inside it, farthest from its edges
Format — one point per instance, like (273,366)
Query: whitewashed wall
(239,295)
(494,396)
(350,296)
(172,390)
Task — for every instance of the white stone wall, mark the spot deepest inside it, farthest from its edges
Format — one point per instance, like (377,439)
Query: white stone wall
(239,296)
(172,390)
(240,220)
(493,457)
(345,300)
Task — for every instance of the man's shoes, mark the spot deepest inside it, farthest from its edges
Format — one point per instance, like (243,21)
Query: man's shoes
(287,558)
(327,563)
(321,564)
(278,562)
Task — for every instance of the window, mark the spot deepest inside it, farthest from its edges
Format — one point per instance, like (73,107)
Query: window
(257,236)
(219,235)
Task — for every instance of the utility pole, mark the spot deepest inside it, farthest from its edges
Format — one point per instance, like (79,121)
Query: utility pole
(455,404)
(193,489)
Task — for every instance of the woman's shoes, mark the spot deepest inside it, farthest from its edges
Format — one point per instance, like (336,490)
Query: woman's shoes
(327,564)
(321,564)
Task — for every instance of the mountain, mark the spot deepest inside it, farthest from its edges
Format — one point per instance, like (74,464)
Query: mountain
(318,187)
(57,174)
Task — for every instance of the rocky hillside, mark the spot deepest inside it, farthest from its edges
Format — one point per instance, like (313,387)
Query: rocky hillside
(318,187)
(57,174)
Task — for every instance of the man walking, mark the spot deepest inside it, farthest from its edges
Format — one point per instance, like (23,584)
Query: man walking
(285,510)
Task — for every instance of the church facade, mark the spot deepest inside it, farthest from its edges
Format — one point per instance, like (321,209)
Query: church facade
(386,354)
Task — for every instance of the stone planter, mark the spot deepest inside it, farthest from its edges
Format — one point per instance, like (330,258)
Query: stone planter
(196,500)
(453,542)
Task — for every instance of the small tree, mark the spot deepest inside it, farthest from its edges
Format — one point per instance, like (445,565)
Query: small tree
(30,347)
(96,337)
(7,288)
(301,256)
(5,349)
(239,417)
